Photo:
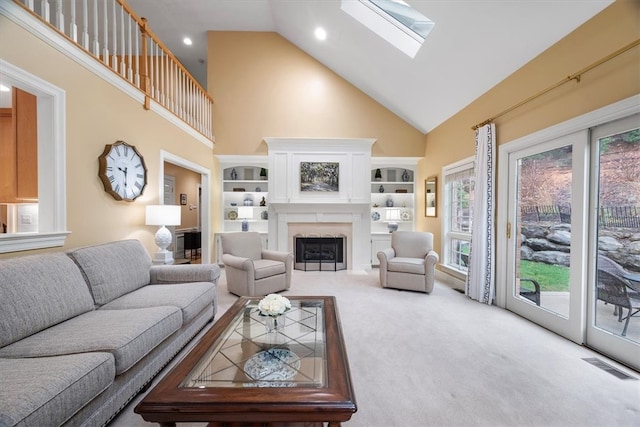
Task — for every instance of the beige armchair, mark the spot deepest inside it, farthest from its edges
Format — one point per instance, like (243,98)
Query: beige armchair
(252,271)
(409,263)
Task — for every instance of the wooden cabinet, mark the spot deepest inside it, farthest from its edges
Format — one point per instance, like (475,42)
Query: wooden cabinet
(19,149)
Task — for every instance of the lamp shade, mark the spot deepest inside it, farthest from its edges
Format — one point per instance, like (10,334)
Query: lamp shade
(393,215)
(245,212)
(163,215)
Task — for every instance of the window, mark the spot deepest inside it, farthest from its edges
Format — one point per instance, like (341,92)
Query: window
(458,215)
(51,206)
(393,20)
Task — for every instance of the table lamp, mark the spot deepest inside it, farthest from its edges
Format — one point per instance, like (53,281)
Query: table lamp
(245,212)
(393,215)
(163,215)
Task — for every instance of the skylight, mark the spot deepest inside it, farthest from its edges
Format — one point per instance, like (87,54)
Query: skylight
(393,20)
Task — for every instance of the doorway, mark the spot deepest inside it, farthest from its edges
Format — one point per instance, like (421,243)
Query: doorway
(203,198)
(569,210)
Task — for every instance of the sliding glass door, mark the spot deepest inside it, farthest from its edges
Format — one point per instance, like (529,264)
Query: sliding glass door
(569,232)
(614,301)
(546,255)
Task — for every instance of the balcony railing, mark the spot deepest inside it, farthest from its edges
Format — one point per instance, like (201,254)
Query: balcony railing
(111,32)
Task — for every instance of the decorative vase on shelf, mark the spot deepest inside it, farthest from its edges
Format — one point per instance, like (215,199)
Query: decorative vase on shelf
(264,215)
(389,202)
(378,175)
(405,176)
(263,201)
(381,189)
(263,173)
(234,174)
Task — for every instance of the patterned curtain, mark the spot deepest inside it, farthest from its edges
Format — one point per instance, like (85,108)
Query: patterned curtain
(480,284)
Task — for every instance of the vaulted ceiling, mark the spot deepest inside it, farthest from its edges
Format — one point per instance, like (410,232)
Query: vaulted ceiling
(474,45)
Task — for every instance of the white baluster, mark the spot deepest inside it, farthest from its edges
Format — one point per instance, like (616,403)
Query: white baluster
(85,25)
(114,30)
(138,35)
(59,16)
(29,4)
(123,66)
(44,10)
(96,41)
(129,47)
(155,70)
(163,90)
(105,41)
(73,27)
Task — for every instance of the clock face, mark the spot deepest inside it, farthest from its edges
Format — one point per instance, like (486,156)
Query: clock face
(122,171)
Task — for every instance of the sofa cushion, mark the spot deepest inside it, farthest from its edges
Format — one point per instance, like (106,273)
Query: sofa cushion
(113,269)
(267,268)
(48,390)
(191,298)
(406,265)
(39,291)
(127,334)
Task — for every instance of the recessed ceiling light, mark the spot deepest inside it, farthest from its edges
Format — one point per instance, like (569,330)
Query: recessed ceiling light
(187,41)
(3,88)
(320,33)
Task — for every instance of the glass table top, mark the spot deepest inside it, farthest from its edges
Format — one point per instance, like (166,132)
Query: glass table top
(247,355)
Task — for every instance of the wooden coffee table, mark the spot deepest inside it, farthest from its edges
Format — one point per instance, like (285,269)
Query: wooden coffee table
(240,374)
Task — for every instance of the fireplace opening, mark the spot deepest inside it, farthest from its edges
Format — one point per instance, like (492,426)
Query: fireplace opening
(320,253)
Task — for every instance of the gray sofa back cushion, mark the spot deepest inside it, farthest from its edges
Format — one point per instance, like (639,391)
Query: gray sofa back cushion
(113,269)
(39,291)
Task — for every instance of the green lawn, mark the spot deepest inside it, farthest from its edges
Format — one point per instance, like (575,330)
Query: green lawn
(550,277)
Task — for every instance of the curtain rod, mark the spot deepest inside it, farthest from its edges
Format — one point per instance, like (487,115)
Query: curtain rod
(575,76)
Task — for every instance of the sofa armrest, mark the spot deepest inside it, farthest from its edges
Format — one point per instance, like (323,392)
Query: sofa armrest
(387,254)
(286,257)
(237,262)
(185,273)
(432,258)
(276,255)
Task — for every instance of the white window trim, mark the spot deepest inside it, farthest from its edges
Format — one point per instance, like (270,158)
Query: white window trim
(52,199)
(464,164)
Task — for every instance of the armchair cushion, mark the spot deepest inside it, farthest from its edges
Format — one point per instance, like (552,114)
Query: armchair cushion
(267,267)
(406,265)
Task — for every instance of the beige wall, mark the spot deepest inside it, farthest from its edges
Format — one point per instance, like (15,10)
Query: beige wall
(615,27)
(264,86)
(98,114)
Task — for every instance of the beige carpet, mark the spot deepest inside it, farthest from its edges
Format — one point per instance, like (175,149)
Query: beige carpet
(444,360)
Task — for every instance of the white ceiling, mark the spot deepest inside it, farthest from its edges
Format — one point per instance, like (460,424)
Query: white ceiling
(475,44)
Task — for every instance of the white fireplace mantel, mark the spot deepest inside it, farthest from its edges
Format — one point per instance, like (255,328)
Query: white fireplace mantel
(348,207)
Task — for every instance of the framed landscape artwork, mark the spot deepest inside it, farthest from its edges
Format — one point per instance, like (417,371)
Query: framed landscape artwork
(319,176)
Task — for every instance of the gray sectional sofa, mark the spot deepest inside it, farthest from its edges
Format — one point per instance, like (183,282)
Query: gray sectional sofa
(82,332)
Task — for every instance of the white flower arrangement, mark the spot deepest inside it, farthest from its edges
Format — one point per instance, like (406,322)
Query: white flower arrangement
(274,305)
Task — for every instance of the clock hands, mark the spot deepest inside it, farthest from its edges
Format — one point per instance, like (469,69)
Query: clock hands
(124,171)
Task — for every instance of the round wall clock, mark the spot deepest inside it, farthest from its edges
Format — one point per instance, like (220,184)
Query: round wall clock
(122,171)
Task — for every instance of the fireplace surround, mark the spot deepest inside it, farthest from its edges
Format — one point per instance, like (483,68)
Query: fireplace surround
(313,252)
